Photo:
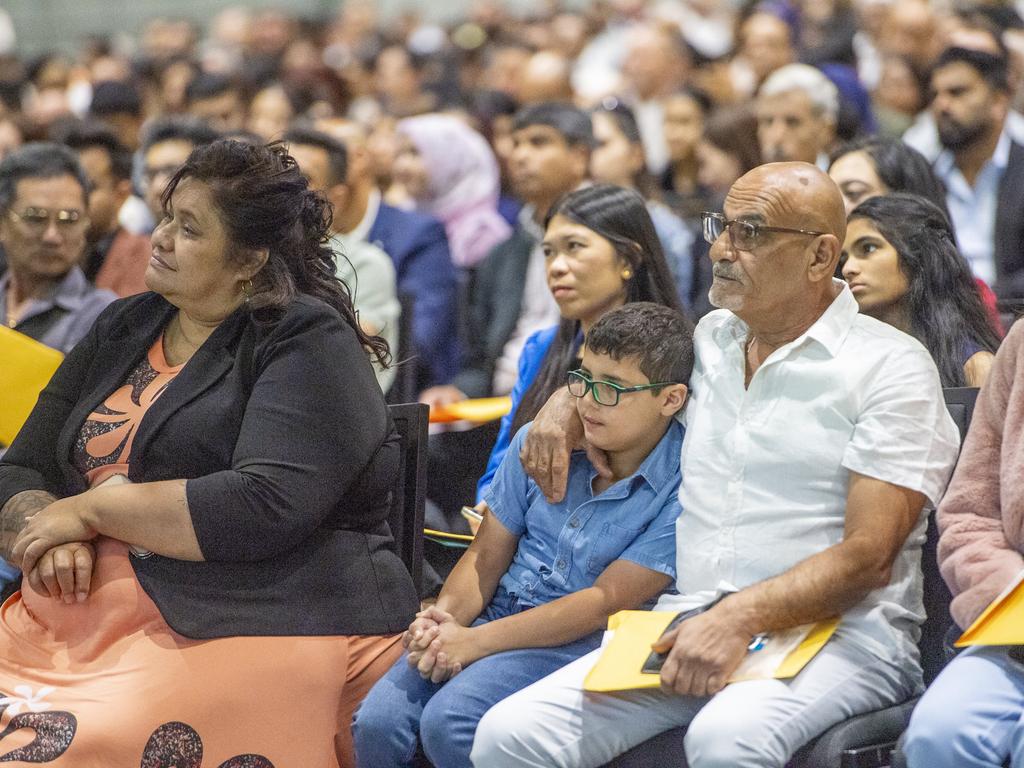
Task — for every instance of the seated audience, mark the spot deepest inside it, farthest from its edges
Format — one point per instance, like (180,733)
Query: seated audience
(971,716)
(272,110)
(236,405)
(683,124)
(364,268)
(901,262)
(509,299)
(601,252)
(115,258)
(869,167)
(218,100)
(44,215)
(448,171)
(981,165)
(797,111)
(166,145)
(418,248)
(536,587)
(814,437)
(618,159)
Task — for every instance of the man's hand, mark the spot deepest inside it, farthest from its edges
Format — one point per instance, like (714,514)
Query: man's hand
(553,435)
(440,396)
(702,653)
(65,572)
(62,522)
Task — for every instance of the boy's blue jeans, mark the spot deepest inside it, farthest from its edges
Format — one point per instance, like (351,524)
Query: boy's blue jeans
(403,708)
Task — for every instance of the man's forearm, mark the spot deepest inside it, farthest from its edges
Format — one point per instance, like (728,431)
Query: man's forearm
(16,512)
(818,588)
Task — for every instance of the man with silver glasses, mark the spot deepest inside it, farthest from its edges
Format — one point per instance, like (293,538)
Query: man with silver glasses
(43,221)
(814,437)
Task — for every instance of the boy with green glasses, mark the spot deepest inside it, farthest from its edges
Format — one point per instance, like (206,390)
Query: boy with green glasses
(535,589)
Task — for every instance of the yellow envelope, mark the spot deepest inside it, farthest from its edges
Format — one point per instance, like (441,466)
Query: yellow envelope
(619,666)
(25,369)
(1002,623)
(479,411)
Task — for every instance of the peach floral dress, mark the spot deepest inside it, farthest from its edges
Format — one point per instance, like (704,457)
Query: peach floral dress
(108,684)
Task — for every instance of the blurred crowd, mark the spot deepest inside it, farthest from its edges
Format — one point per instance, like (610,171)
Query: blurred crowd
(682,96)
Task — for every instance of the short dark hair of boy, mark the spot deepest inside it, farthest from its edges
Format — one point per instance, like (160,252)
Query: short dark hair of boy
(993,69)
(660,338)
(337,153)
(572,123)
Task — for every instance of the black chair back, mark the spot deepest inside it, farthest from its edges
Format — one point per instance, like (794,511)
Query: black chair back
(410,493)
(404,389)
(938,624)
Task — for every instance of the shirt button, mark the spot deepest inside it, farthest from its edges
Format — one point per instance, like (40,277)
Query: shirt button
(561,565)
(574,522)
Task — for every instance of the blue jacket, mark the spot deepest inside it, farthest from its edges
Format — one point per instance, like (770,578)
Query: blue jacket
(530,361)
(418,246)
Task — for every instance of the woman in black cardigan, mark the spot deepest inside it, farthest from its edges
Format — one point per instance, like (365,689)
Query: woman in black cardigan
(199,500)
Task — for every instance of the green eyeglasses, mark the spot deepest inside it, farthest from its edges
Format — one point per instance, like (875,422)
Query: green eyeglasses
(605,392)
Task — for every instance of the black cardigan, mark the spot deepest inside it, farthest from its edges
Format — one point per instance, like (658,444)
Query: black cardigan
(286,443)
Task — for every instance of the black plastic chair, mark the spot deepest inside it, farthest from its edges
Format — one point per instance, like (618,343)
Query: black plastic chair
(404,389)
(410,492)
(867,740)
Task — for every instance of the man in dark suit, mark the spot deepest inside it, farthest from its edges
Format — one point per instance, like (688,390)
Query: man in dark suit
(509,298)
(418,246)
(981,165)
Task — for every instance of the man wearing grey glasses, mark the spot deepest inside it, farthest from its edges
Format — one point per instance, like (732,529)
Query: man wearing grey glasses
(43,221)
(814,437)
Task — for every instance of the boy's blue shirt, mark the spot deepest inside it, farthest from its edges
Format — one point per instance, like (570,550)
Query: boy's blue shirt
(564,547)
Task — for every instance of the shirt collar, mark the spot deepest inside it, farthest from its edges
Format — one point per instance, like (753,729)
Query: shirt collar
(529,224)
(945,163)
(69,294)
(661,465)
(362,230)
(829,330)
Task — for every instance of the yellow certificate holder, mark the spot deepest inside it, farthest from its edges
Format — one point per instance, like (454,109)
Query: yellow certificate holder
(1002,623)
(25,368)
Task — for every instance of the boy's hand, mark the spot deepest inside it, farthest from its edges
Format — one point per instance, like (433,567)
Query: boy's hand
(414,638)
(449,653)
(553,435)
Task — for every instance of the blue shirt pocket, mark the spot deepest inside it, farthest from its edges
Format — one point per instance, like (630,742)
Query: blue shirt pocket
(610,543)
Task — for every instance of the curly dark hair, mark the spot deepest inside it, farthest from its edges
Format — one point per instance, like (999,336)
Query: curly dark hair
(265,202)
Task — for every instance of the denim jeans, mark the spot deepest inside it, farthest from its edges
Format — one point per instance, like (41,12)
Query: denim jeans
(972,716)
(403,709)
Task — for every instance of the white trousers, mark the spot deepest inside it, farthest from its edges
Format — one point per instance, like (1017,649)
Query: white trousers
(554,722)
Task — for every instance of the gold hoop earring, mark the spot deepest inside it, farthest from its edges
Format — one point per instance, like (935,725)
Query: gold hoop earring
(627,274)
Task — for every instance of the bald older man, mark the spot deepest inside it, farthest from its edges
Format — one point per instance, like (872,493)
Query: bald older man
(814,437)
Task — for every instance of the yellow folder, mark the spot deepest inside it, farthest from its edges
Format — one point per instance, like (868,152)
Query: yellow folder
(479,410)
(1002,623)
(619,666)
(25,368)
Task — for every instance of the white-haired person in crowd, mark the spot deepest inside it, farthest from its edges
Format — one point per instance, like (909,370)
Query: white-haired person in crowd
(797,109)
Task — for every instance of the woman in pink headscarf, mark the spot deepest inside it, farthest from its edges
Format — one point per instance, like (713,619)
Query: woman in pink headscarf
(449,171)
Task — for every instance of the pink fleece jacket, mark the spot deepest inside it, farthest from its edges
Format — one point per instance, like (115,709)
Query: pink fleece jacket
(981,517)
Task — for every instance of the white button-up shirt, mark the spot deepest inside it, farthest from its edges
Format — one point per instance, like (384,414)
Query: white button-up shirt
(766,469)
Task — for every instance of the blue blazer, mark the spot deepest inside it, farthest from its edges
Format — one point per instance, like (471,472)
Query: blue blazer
(530,361)
(418,246)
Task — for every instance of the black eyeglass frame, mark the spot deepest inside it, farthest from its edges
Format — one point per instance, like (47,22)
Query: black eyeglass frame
(727,226)
(590,386)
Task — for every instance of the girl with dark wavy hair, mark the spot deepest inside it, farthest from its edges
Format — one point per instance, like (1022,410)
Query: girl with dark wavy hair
(602,252)
(199,500)
(903,267)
